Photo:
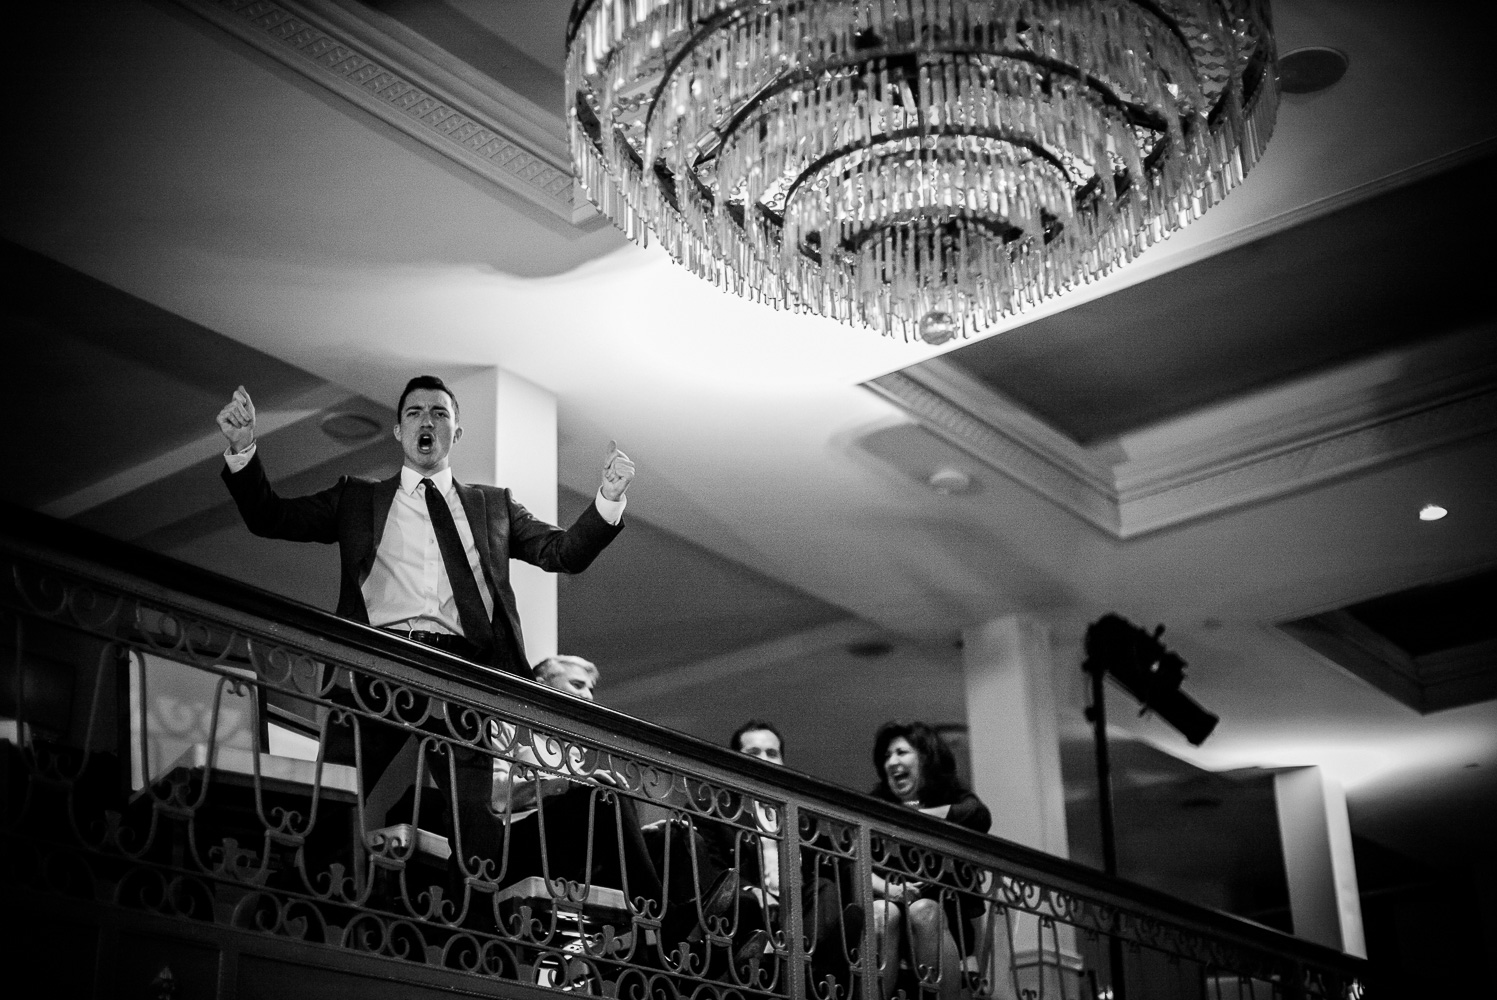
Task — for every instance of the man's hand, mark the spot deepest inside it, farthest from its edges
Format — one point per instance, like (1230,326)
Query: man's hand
(237,421)
(618,472)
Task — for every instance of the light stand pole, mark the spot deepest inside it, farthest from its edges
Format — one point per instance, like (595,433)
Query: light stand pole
(1097,714)
(1152,674)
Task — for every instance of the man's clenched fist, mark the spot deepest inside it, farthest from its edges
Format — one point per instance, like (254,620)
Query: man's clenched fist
(237,421)
(618,472)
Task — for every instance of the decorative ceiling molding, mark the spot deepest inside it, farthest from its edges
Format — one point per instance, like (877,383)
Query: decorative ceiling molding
(1286,438)
(1433,682)
(389,71)
(1006,437)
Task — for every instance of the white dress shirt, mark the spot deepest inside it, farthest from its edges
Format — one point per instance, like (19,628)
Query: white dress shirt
(769,849)
(407,586)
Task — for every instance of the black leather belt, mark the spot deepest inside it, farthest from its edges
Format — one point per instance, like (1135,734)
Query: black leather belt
(445,641)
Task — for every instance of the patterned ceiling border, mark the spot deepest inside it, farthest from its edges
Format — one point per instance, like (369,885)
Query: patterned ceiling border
(1432,682)
(1005,437)
(1364,415)
(493,132)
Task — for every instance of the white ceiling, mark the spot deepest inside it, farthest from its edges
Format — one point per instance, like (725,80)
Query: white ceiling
(185,168)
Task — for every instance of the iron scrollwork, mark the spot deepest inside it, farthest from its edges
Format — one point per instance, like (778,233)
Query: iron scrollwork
(207,770)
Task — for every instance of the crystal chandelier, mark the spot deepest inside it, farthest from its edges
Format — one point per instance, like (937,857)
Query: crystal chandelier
(921,167)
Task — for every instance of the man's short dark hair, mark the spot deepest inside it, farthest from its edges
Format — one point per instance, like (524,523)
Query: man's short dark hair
(751,726)
(425,382)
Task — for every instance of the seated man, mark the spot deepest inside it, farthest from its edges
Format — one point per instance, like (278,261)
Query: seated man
(543,808)
(756,855)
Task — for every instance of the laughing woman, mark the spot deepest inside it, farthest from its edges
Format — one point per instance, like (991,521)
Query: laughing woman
(916,769)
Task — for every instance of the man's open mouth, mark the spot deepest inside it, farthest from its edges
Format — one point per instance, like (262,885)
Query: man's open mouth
(424,441)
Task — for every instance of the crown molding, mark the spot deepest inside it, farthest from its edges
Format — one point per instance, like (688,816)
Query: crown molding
(1284,439)
(1432,682)
(391,72)
(1006,437)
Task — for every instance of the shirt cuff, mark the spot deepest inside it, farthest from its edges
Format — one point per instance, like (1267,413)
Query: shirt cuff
(611,511)
(237,462)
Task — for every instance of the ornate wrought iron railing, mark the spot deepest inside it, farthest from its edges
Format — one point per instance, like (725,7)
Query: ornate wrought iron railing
(215,791)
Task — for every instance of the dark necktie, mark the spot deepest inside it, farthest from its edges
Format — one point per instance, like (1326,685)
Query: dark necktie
(464,590)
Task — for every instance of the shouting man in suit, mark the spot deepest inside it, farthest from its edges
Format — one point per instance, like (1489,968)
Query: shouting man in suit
(422,555)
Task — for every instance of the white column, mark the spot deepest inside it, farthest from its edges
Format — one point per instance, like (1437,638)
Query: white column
(1318,862)
(509,439)
(1015,739)
(1012,726)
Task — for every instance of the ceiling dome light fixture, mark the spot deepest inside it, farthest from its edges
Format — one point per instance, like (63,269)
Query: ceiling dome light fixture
(949,482)
(350,428)
(920,167)
(1311,69)
(1432,512)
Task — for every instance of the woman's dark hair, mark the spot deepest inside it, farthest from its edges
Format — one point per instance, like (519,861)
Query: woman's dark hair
(939,784)
(425,382)
(754,725)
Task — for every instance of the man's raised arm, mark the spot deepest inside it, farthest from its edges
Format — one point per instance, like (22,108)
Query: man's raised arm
(298,519)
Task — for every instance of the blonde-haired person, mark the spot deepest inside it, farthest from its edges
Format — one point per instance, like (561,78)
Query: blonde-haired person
(572,674)
(534,772)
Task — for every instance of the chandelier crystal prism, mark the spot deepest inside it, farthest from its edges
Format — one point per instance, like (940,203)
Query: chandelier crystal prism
(921,167)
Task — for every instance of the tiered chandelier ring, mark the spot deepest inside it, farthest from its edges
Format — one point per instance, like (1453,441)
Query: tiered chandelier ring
(921,167)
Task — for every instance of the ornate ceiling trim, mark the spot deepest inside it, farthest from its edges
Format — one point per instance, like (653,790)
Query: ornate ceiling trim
(1432,682)
(1006,437)
(469,119)
(1284,439)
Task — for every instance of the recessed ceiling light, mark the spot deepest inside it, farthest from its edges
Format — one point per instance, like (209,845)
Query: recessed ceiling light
(1312,68)
(949,482)
(350,428)
(1432,512)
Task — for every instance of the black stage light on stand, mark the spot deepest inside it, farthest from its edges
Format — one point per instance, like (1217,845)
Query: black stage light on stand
(1152,674)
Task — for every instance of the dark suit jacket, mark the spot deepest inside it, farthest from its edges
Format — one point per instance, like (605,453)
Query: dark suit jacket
(353,513)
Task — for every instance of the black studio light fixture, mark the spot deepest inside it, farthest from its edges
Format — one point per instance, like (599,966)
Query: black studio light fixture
(1153,674)
(1147,670)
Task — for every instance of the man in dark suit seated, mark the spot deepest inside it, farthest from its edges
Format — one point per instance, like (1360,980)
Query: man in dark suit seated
(548,808)
(754,850)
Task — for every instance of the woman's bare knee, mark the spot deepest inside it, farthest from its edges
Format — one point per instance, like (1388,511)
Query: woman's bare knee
(885,914)
(926,914)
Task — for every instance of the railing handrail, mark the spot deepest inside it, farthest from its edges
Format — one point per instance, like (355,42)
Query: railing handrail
(155,576)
